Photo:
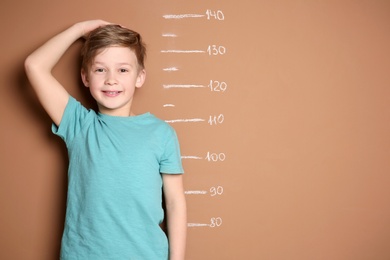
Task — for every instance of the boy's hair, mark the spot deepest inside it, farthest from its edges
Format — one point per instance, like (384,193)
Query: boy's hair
(112,35)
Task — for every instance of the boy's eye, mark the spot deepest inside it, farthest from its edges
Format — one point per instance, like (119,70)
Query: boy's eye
(123,70)
(99,70)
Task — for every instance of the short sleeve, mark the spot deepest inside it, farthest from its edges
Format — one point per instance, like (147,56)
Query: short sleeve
(73,119)
(171,160)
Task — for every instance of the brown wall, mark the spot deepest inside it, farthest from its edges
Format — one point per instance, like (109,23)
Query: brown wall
(305,136)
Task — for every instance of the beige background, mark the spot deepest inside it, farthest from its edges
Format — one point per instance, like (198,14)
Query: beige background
(305,131)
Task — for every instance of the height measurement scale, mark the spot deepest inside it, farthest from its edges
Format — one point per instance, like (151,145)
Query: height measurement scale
(217,86)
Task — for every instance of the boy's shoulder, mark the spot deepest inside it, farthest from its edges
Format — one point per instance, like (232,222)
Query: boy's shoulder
(160,122)
(148,119)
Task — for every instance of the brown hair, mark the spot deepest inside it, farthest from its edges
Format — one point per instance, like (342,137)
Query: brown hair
(112,35)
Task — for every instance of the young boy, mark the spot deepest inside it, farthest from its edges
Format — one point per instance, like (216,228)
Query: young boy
(119,163)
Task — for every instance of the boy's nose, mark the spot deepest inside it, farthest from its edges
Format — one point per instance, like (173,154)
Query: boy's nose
(111,80)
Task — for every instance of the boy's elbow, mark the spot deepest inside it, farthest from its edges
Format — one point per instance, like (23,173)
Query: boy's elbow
(29,64)
(33,63)
(34,69)
(34,72)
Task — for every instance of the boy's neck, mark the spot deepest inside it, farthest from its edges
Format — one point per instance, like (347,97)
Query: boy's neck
(116,113)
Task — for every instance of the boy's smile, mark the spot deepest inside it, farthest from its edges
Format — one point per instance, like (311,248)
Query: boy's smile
(112,93)
(112,79)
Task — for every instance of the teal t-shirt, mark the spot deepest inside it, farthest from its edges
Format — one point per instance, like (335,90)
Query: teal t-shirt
(114,203)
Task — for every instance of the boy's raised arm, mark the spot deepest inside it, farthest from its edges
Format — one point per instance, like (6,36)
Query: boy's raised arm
(40,63)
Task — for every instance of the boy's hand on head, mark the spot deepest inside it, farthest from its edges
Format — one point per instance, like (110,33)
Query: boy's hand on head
(88,26)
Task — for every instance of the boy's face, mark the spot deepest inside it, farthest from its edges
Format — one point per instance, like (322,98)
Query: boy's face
(112,79)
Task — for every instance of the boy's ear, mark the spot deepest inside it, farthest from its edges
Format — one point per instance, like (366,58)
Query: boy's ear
(84,77)
(140,78)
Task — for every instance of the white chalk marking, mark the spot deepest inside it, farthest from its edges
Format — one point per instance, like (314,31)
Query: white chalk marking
(169,35)
(197,225)
(183,86)
(182,51)
(169,105)
(171,69)
(192,157)
(191,120)
(182,16)
(195,192)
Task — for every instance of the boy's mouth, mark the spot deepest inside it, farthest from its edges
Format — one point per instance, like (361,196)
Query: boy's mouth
(112,93)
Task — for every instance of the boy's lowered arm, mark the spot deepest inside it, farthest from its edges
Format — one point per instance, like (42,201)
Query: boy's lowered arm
(40,63)
(176,215)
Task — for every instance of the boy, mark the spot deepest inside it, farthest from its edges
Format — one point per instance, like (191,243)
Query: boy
(119,162)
